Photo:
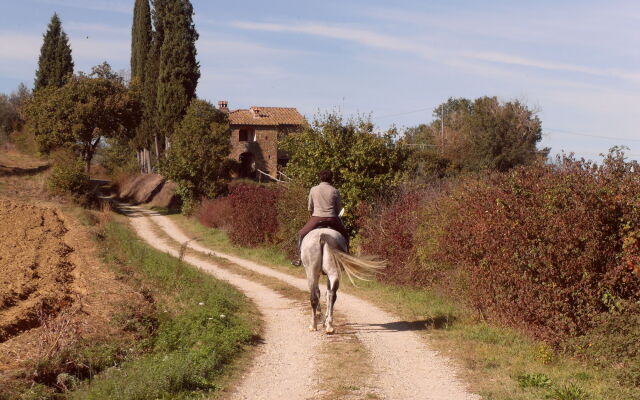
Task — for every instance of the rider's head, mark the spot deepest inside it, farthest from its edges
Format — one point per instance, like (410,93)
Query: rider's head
(326,176)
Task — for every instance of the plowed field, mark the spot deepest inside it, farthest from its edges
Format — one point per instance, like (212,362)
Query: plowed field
(35,269)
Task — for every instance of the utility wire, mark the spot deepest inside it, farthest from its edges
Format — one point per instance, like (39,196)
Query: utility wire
(406,112)
(552,130)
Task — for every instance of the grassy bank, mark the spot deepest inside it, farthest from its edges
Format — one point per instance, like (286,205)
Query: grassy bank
(199,326)
(497,362)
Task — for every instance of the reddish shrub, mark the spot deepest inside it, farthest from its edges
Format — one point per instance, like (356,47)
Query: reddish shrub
(214,213)
(387,229)
(254,218)
(292,215)
(548,248)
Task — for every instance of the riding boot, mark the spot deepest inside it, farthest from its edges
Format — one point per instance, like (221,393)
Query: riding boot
(297,261)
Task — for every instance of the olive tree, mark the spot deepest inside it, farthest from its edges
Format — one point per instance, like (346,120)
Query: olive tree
(80,114)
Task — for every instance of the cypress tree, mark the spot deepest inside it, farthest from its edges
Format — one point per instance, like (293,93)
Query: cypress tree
(55,64)
(178,71)
(148,129)
(141,37)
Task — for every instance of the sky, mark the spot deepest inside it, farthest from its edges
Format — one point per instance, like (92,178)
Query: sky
(577,63)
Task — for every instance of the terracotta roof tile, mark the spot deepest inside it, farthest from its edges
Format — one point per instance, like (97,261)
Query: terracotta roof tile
(267,116)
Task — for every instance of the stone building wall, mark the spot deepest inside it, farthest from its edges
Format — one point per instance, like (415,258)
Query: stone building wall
(261,143)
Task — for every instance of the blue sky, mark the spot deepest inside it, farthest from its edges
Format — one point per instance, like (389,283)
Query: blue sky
(576,62)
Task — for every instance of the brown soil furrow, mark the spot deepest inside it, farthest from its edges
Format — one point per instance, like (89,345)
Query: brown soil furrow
(35,272)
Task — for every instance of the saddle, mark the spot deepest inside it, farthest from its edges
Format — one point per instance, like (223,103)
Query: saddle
(325,224)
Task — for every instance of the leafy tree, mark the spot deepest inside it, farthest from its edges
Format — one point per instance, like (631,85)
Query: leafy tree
(55,64)
(10,109)
(178,70)
(364,163)
(479,134)
(195,160)
(83,112)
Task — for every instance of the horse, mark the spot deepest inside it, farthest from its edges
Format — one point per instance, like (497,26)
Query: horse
(325,250)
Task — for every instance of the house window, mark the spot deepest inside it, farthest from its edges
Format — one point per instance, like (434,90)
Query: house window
(247,135)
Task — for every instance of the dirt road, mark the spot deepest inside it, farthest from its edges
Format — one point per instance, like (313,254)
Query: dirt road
(404,366)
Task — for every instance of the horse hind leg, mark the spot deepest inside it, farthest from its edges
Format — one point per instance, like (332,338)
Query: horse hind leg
(333,283)
(314,292)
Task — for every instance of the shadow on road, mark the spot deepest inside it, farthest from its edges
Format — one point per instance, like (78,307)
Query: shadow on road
(402,326)
(17,171)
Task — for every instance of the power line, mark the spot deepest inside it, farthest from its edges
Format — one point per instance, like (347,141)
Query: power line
(552,130)
(406,112)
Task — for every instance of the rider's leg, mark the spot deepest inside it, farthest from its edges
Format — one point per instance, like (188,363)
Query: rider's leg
(343,231)
(308,227)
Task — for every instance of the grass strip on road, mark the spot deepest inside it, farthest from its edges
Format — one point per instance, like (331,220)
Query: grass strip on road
(202,326)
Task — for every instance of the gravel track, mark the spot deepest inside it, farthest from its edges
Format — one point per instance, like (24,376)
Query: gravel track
(404,365)
(274,374)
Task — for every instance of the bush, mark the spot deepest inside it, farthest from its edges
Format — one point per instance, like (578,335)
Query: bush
(365,164)
(548,249)
(248,214)
(614,341)
(68,176)
(215,213)
(291,206)
(387,229)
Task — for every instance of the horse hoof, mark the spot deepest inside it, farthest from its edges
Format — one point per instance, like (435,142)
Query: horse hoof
(329,330)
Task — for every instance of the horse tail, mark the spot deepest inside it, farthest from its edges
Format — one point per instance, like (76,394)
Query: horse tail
(364,267)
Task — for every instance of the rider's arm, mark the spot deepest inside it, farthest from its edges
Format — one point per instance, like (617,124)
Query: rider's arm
(310,207)
(338,203)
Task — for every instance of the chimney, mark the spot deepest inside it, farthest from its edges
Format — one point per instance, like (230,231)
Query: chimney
(223,106)
(256,112)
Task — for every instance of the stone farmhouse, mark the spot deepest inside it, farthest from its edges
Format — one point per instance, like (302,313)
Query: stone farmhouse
(254,137)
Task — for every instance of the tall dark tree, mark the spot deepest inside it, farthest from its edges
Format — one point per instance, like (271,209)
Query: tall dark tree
(149,123)
(178,71)
(55,64)
(141,32)
(141,42)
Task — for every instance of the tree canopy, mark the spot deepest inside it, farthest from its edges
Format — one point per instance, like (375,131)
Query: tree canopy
(55,64)
(364,163)
(196,157)
(476,134)
(82,112)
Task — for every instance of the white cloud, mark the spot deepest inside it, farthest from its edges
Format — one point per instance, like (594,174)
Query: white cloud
(117,6)
(213,44)
(503,58)
(365,37)
(447,56)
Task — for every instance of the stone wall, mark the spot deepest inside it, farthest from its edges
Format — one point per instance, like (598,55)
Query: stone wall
(262,143)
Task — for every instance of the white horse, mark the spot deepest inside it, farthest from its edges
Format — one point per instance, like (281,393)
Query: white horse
(324,250)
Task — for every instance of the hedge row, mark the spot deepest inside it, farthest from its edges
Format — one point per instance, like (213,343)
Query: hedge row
(548,249)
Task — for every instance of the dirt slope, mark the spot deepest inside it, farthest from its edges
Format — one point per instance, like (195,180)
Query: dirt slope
(404,365)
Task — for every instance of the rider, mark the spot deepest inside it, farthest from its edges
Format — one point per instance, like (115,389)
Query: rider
(325,206)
